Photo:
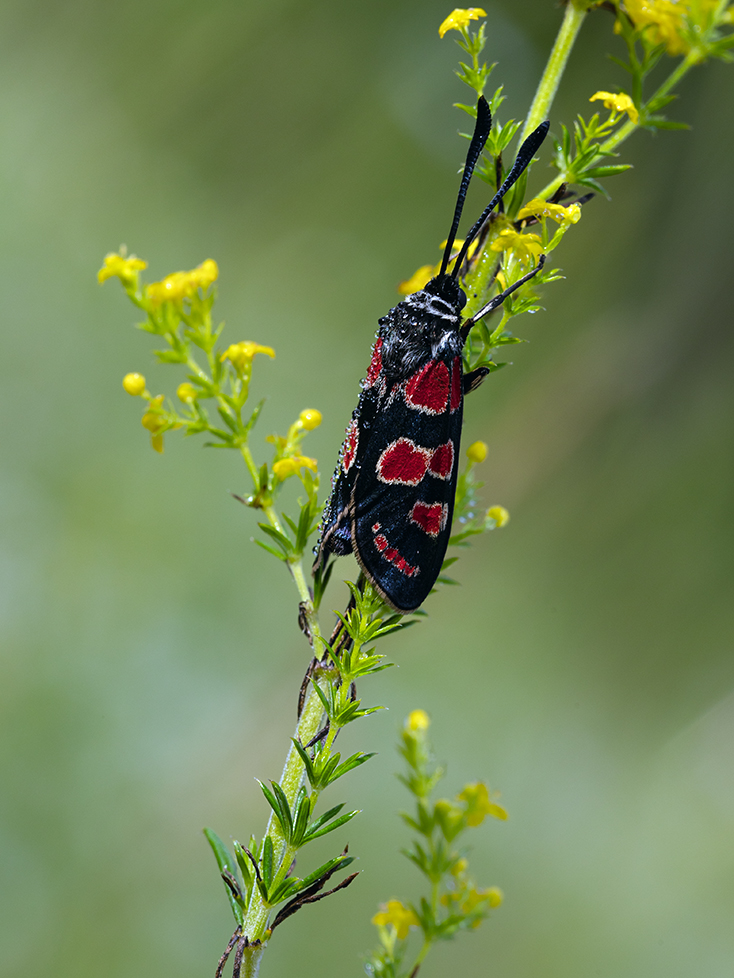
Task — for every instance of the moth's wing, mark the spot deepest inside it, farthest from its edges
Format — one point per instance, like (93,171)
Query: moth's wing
(403,496)
(335,531)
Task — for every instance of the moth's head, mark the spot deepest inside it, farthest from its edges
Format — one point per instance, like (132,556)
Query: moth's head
(448,289)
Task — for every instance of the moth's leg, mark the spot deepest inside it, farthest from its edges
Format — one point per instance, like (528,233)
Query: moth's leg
(473,379)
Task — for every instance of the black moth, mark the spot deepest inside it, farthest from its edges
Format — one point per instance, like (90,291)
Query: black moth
(393,491)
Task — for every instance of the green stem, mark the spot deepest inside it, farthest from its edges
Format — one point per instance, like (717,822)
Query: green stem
(251,961)
(576,11)
(256,919)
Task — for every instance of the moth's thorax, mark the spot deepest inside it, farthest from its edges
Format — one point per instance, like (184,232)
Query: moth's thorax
(420,328)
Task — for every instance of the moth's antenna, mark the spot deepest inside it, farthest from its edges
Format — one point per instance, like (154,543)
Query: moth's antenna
(528,149)
(481,131)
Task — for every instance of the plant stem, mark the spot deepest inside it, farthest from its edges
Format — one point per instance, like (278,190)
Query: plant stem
(308,726)
(576,11)
(251,961)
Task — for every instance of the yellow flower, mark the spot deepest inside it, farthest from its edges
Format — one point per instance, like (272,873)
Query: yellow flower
(156,442)
(203,275)
(118,265)
(173,288)
(479,804)
(496,896)
(460,866)
(664,20)
(309,419)
(286,467)
(182,285)
(417,721)
(134,384)
(240,355)
(477,452)
(459,19)
(525,247)
(400,917)
(417,281)
(543,208)
(186,393)
(617,103)
(499,514)
(153,422)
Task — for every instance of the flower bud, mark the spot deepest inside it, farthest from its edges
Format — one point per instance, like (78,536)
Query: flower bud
(417,721)
(499,514)
(186,393)
(152,422)
(134,384)
(496,896)
(477,452)
(310,418)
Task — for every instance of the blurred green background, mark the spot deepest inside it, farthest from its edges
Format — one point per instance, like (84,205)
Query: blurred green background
(150,653)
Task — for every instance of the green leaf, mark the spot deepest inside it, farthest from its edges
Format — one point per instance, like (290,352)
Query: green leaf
(606,171)
(226,865)
(337,823)
(267,861)
(350,764)
(322,819)
(270,550)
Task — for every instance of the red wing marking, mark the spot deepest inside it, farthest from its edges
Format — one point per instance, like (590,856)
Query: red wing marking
(442,461)
(430,517)
(392,556)
(455,384)
(375,364)
(349,449)
(403,462)
(428,390)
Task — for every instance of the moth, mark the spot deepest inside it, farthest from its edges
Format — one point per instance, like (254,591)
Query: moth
(393,490)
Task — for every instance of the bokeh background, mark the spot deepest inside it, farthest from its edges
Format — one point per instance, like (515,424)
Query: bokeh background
(150,652)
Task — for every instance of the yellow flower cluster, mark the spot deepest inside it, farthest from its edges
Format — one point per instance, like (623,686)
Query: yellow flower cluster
(286,467)
(241,355)
(118,265)
(617,103)
(543,208)
(458,19)
(479,804)
(525,247)
(395,914)
(183,285)
(663,19)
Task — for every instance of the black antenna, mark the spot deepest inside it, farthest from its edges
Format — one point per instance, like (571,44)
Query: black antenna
(481,131)
(525,154)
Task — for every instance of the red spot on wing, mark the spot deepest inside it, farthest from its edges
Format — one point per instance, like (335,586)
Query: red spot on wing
(392,555)
(442,461)
(403,462)
(455,383)
(428,390)
(430,517)
(349,448)
(375,364)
